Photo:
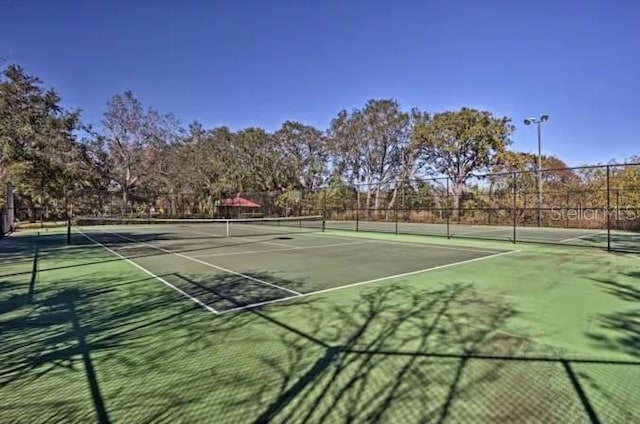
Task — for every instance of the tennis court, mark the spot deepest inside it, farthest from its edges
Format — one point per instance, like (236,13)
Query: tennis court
(233,265)
(286,321)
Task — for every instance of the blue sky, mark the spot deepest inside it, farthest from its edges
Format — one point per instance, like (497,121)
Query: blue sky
(258,63)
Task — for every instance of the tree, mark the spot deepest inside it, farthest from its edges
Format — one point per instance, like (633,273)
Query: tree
(458,144)
(304,152)
(370,146)
(135,139)
(558,180)
(407,179)
(38,152)
(207,163)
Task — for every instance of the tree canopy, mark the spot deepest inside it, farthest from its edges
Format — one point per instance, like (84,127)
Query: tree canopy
(458,144)
(377,158)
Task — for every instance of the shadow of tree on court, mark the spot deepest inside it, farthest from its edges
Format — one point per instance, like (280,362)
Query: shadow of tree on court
(395,353)
(90,324)
(19,250)
(401,354)
(237,291)
(93,254)
(617,331)
(392,353)
(623,242)
(622,327)
(376,366)
(12,296)
(53,346)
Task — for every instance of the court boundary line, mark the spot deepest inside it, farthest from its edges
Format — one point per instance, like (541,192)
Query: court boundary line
(267,242)
(146,271)
(409,243)
(361,283)
(247,252)
(453,225)
(471,236)
(243,237)
(479,231)
(582,236)
(169,252)
(309,230)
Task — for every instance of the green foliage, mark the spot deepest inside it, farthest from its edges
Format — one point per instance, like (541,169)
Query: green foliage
(376,157)
(372,146)
(137,142)
(37,149)
(339,195)
(290,202)
(625,183)
(458,144)
(304,154)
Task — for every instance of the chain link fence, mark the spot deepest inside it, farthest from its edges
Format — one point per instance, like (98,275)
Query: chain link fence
(593,206)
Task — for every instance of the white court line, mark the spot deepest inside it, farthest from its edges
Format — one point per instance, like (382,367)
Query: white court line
(318,230)
(146,271)
(246,252)
(581,237)
(205,263)
(376,280)
(407,243)
(495,230)
(244,238)
(215,235)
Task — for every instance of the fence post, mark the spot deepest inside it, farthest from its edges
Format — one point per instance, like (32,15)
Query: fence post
(67,217)
(515,208)
(41,204)
(11,208)
(608,211)
(34,273)
(324,203)
(406,207)
(357,207)
(524,207)
(566,211)
(395,212)
(448,209)
(617,208)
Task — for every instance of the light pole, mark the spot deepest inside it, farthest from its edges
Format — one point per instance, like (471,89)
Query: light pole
(539,122)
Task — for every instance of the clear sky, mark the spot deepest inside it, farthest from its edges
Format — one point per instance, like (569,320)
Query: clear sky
(257,63)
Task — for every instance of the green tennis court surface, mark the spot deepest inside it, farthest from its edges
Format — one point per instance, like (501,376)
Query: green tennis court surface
(235,273)
(292,324)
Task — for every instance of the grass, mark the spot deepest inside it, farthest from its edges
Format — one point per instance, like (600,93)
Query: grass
(550,334)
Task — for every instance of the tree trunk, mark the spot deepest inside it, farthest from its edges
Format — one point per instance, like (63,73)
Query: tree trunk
(100,211)
(376,200)
(394,196)
(32,210)
(172,205)
(458,188)
(124,201)
(367,204)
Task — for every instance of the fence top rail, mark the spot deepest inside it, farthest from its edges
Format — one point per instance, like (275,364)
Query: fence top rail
(390,185)
(547,170)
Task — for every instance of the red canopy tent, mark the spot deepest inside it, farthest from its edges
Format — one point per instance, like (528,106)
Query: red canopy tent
(239,202)
(239,207)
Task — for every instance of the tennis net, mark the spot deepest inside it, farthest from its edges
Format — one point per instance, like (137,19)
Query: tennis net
(214,227)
